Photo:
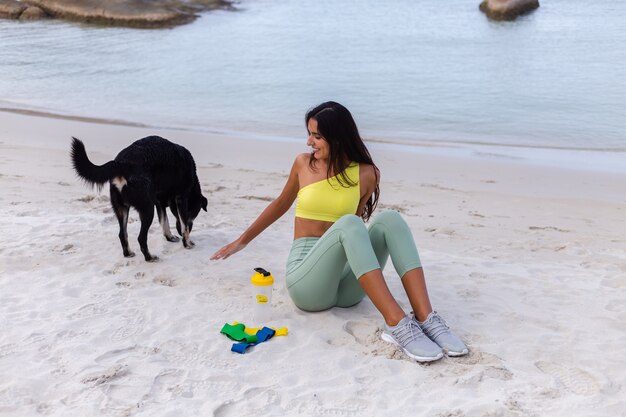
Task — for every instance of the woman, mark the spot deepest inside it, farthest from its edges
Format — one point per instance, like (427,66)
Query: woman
(335,260)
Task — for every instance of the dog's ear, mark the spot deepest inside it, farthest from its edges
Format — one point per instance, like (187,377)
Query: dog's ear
(204,203)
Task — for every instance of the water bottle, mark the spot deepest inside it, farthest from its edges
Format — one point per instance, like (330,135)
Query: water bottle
(262,284)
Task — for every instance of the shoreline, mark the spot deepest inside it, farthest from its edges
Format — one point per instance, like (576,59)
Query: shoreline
(604,160)
(275,154)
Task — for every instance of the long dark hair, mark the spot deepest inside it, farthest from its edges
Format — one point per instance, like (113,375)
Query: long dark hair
(337,127)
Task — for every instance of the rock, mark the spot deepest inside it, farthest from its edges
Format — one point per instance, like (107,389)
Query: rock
(33,13)
(11,9)
(507,9)
(131,13)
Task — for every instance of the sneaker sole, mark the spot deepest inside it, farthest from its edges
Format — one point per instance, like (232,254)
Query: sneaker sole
(455,354)
(390,339)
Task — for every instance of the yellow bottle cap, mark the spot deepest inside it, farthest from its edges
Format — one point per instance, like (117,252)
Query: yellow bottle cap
(262,278)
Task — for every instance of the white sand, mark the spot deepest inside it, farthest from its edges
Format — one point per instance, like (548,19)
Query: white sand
(527,263)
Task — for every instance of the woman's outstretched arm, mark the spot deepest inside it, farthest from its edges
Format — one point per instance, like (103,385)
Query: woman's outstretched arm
(272,212)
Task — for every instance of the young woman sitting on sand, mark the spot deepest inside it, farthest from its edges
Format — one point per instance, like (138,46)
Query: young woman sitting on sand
(335,259)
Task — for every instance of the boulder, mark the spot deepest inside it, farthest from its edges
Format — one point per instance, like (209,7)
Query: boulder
(131,13)
(33,13)
(507,9)
(11,9)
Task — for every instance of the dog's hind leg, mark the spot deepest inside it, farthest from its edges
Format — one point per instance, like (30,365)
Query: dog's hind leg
(121,212)
(146,215)
(165,224)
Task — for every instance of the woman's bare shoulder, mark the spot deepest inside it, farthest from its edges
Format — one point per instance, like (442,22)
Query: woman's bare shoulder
(303,157)
(301,161)
(369,173)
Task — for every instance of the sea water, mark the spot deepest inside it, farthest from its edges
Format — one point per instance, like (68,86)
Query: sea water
(411,72)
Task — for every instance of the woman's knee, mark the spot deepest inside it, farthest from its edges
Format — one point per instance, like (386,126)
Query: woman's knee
(390,217)
(351,223)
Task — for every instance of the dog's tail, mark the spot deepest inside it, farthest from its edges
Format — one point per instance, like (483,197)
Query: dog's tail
(92,174)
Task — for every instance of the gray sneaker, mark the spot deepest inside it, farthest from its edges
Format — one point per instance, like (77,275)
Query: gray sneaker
(438,331)
(409,336)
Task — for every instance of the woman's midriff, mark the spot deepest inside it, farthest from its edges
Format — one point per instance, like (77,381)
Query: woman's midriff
(310,228)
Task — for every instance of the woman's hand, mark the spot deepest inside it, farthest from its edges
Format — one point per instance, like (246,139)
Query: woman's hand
(228,250)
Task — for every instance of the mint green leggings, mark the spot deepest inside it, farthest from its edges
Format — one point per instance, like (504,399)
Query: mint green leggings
(322,271)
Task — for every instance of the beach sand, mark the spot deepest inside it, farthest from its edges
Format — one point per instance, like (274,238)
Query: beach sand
(527,264)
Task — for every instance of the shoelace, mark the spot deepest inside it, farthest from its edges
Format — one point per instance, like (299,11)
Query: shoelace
(408,332)
(435,326)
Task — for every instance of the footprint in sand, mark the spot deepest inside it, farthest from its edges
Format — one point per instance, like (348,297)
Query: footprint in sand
(8,349)
(99,378)
(443,232)
(166,385)
(180,353)
(87,199)
(88,310)
(256,401)
(453,413)
(134,324)
(118,355)
(575,380)
(60,367)
(468,293)
(45,409)
(165,281)
(361,331)
(206,297)
(14,398)
(189,354)
(65,249)
(494,372)
(116,268)
(87,395)
(70,334)
(348,408)
(476,214)
(216,386)
(549,228)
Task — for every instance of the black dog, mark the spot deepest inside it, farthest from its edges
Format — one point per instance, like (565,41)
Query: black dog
(151,172)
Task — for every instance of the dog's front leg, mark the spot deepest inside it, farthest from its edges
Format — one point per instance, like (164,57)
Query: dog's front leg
(173,205)
(181,222)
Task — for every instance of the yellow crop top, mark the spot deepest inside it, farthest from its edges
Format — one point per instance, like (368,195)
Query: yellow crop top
(328,200)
